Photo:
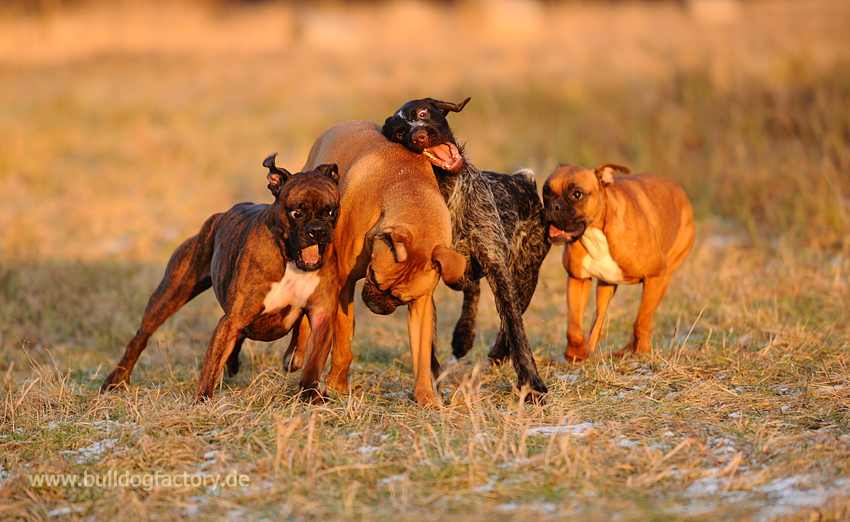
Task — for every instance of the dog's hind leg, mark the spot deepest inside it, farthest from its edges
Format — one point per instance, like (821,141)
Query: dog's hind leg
(186,276)
(463,335)
(654,289)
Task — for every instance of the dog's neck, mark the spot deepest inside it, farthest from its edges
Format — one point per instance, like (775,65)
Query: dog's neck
(448,181)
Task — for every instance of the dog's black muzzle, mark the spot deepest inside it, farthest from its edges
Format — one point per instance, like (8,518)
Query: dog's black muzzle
(563,226)
(377,300)
(309,244)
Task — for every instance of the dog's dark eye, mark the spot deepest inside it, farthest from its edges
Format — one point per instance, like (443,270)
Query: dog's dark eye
(577,195)
(423,113)
(332,212)
(399,136)
(296,214)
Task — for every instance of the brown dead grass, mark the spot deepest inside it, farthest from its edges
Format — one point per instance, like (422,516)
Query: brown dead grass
(123,127)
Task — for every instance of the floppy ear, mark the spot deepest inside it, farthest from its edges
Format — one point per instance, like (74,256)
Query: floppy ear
(446,107)
(277,177)
(398,237)
(330,170)
(605,173)
(452,265)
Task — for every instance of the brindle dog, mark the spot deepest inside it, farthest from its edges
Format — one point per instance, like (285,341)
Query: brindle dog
(267,264)
(497,224)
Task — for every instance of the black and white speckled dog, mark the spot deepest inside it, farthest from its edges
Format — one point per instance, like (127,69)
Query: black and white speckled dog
(497,224)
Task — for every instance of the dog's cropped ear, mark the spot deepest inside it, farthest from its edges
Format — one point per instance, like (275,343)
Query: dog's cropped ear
(398,237)
(447,107)
(330,170)
(276,176)
(452,265)
(605,173)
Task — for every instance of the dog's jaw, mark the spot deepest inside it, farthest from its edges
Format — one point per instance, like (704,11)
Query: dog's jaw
(445,156)
(310,258)
(565,237)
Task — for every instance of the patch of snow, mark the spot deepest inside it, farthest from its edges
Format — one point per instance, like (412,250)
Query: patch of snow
(64,511)
(211,458)
(542,507)
(569,377)
(786,498)
(624,442)
(368,450)
(395,478)
(486,487)
(578,430)
(92,451)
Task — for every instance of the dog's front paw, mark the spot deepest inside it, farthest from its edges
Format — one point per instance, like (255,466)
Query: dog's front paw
(338,381)
(463,338)
(637,347)
(531,394)
(315,393)
(533,389)
(428,401)
(116,380)
(500,351)
(576,354)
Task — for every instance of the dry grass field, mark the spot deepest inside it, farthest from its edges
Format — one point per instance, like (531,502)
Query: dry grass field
(124,125)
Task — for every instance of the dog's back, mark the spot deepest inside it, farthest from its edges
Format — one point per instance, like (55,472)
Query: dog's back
(370,166)
(667,222)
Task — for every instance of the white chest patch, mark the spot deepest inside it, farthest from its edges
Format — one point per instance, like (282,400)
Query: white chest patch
(599,263)
(293,290)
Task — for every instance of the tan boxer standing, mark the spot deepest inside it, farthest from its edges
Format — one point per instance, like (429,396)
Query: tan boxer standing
(625,230)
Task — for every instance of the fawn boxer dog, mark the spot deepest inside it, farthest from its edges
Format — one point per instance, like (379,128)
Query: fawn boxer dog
(624,230)
(394,229)
(267,264)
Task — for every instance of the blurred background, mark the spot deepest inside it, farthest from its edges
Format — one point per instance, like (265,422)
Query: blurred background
(123,125)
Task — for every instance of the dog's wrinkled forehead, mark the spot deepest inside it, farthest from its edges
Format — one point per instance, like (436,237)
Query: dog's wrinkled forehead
(310,190)
(569,176)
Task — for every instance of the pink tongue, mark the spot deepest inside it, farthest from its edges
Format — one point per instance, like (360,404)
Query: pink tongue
(310,255)
(554,232)
(445,155)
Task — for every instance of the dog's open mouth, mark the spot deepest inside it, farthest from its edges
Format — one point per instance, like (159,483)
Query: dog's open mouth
(310,258)
(561,237)
(445,156)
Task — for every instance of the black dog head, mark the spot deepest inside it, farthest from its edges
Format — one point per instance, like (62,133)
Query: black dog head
(421,126)
(306,210)
(573,198)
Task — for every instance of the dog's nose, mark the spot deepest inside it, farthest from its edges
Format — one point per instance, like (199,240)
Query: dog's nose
(420,138)
(554,207)
(313,230)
